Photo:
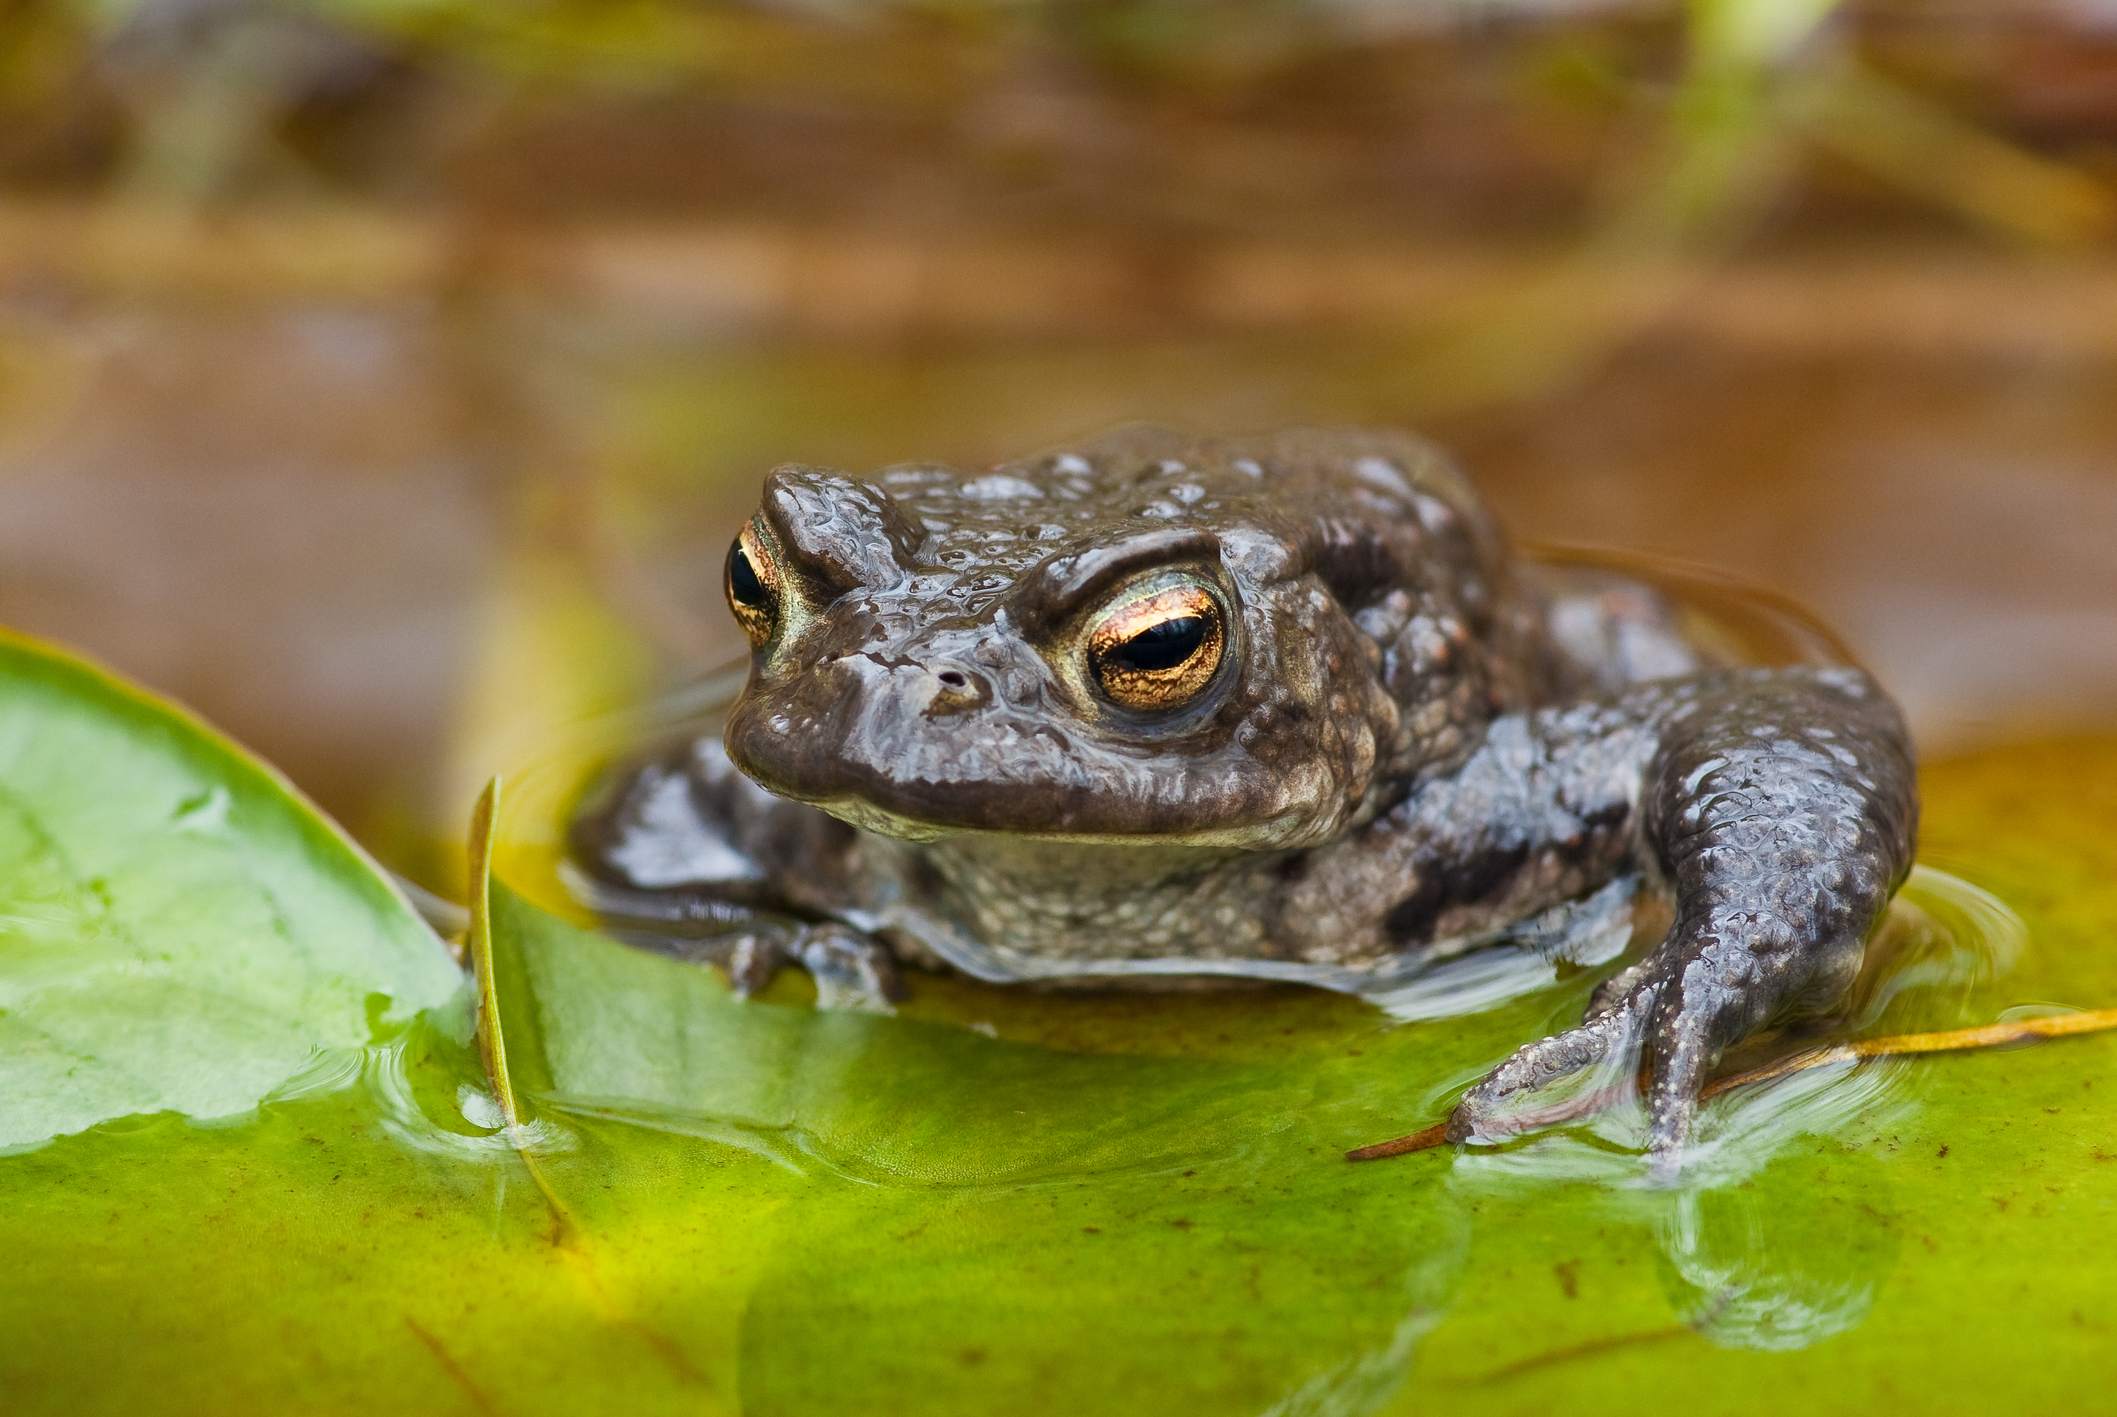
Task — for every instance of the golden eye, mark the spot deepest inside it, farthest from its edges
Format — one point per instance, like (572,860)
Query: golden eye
(753,587)
(1159,651)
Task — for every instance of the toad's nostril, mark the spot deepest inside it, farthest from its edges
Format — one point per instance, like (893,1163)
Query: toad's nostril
(957,690)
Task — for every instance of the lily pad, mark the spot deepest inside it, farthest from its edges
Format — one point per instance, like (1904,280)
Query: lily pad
(179,930)
(971,1195)
(1005,1201)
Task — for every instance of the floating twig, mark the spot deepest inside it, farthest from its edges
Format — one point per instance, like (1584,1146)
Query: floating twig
(1958,1040)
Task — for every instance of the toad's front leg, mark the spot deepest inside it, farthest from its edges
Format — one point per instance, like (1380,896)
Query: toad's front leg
(689,856)
(1780,808)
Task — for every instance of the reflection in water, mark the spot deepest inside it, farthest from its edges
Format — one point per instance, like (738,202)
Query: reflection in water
(1747,1272)
(1761,1245)
(1366,1383)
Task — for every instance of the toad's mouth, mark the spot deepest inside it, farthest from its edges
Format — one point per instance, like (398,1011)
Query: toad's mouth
(878,819)
(1032,782)
(882,821)
(1048,814)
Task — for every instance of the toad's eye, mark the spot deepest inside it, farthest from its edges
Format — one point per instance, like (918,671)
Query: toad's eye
(753,587)
(1159,650)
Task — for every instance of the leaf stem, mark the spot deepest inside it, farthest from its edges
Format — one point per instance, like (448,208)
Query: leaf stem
(492,1043)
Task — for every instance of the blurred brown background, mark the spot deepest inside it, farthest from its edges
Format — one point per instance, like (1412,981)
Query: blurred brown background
(385,376)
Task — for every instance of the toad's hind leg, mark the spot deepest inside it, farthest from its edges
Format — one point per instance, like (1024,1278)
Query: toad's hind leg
(1780,808)
(683,854)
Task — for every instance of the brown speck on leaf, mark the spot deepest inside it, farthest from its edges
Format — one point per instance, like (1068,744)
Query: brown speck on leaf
(456,1372)
(1180,1223)
(1568,1273)
(971,1357)
(1577,1352)
(1091,1230)
(1943,1151)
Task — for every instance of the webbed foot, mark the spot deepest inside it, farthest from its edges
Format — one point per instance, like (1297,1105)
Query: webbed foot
(1670,1017)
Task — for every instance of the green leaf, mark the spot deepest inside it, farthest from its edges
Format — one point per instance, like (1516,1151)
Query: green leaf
(962,1200)
(1003,1201)
(179,930)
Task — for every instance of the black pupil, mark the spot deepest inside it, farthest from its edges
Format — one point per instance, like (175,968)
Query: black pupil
(742,579)
(1162,646)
